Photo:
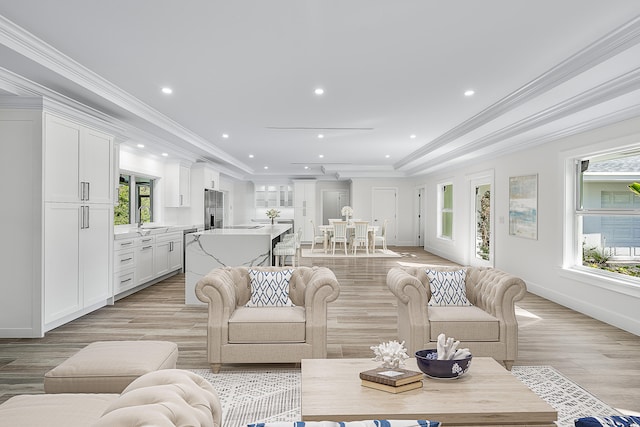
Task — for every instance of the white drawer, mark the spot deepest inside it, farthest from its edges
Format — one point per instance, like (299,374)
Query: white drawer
(124,244)
(123,259)
(146,240)
(123,282)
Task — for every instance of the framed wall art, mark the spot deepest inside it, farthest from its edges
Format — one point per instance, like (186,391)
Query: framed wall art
(523,206)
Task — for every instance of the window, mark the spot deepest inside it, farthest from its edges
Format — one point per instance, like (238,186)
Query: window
(445,204)
(607,213)
(137,205)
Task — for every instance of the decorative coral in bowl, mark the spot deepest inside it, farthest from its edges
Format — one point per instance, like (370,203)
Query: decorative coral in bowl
(432,367)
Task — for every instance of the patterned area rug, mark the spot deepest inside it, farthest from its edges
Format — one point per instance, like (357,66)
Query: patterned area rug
(249,396)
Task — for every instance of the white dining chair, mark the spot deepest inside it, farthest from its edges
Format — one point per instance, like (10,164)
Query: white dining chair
(339,235)
(382,238)
(318,237)
(361,235)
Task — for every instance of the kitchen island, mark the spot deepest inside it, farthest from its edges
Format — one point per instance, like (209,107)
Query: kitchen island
(242,245)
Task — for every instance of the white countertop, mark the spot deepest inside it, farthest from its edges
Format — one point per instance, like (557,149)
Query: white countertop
(124,232)
(254,230)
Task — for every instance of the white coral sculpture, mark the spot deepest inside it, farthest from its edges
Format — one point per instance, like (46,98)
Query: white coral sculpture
(392,354)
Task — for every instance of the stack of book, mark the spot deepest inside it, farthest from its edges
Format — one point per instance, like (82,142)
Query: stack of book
(391,380)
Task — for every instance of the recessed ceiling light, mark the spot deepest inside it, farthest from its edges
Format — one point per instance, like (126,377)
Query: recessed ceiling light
(140,145)
(167,90)
(306,167)
(321,156)
(165,154)
(469,92)
(266,167)
(225,135)
(251,156)
(320,136)
(387,155)
(318,91)
(412,136)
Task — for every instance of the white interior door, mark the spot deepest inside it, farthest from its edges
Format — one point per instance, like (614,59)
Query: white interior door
(384,207)
(482,247)
(332,203)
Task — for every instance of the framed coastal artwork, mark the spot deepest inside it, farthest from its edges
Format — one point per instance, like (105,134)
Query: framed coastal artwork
(523,206)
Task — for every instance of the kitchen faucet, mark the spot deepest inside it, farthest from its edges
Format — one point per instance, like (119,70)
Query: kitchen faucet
(140,220)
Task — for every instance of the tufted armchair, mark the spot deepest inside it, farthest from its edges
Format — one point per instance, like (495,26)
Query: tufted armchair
(240,334)
(488,328)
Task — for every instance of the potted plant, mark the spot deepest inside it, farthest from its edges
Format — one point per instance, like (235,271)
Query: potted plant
(273,214)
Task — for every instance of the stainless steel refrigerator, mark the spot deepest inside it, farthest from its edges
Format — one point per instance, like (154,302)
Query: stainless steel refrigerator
(213,209)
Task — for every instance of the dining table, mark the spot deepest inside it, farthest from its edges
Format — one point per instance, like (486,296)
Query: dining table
(328,229)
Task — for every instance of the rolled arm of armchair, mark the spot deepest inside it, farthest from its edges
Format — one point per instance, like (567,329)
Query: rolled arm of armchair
(413,321)
(217,289)
(497,292)
(321,289)
(406,287)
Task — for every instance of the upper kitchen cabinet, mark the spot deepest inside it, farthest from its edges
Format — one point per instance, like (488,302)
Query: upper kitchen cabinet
(177,184)
(78,162)
(274,196)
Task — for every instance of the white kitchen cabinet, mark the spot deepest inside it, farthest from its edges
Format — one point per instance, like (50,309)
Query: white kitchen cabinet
(76,268)
(62,293)
(124,265)
(273,196)
(177,185)
(78,162)
(168,253)
(144,259)
(304,207)
(64,255)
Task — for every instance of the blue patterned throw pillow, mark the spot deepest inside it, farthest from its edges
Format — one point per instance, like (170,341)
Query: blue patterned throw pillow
(270,288)
(447,288)
(365,423)
(613,421)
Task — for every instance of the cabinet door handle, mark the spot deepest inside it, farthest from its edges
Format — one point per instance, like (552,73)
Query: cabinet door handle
(146,240)
(125,243)
(88,191)
(170,246)
(146,247)
(180,200)
(87,211)
(126,259)
(126,280)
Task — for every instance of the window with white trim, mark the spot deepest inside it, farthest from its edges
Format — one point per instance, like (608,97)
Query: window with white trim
(607,213)
(445,211)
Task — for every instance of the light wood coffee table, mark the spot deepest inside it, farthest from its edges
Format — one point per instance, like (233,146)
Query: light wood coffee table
(487,395)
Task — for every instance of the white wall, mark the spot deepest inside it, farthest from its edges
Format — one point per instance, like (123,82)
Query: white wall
(361,201)
(539,262)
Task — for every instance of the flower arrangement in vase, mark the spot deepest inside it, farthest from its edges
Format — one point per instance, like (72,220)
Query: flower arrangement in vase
(273,214)
(347,211)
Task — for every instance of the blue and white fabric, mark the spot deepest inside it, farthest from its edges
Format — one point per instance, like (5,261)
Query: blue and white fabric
(612,421)
(447,288)
(365,423)
(270,288)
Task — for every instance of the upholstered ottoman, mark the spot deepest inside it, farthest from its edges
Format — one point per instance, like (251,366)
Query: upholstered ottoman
(109,366)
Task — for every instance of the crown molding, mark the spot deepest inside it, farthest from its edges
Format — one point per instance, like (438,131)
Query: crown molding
(29,46)
(613,118)
(616,41)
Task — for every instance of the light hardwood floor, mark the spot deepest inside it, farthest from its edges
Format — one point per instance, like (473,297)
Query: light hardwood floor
(602,359)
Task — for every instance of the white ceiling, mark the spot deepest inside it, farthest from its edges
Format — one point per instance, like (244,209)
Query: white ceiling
(541,69)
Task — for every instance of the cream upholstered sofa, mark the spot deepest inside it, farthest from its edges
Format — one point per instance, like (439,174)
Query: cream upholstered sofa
(240,334)
(169,397)
(488,327)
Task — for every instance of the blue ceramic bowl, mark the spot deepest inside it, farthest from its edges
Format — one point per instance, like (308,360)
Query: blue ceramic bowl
(432,367)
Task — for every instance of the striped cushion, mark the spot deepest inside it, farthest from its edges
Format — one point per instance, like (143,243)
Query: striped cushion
(613,421)
(365,423)
(447,288)
(270,288)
